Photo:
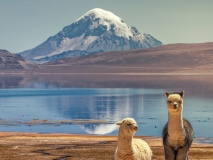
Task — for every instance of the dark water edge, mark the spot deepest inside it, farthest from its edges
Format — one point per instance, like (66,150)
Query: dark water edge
(198,84)
(203,140)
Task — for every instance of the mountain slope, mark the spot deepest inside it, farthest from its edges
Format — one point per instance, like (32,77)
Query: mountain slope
(173,56)
(9,61)
(96,31)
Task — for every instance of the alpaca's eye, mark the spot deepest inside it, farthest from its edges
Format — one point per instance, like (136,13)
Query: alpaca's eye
(129,124)
(169,101)
(180,102)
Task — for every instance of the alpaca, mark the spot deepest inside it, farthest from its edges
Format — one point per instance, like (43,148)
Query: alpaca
(178,132)
(129,148)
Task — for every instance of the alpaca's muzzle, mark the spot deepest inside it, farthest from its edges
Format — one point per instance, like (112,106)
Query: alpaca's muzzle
(175,105)
(135,127)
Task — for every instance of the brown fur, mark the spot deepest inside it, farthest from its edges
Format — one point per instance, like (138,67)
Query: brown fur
(177,133)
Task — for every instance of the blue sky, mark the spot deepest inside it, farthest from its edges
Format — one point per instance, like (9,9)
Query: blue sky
(24,24)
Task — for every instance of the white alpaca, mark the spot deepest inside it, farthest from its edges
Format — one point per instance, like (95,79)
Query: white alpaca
(129,148)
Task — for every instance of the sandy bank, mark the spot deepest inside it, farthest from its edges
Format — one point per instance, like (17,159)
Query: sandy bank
(35,146)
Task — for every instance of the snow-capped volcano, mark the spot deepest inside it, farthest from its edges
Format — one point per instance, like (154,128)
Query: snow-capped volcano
(96,31)
(109,20)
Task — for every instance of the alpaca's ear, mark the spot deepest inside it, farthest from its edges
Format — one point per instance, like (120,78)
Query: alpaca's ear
(166,94)
(182,93)
(118,123)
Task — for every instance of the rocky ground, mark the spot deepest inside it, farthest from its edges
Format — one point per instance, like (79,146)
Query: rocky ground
(24,146)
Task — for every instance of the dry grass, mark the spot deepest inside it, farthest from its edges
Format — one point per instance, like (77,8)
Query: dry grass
(25,146)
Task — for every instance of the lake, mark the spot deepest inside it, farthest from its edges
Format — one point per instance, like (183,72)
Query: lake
(95,110)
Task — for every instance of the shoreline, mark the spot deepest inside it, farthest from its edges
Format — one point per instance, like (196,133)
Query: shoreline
(58,146)
(196,141)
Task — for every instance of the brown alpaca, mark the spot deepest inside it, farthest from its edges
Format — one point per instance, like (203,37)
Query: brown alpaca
(178,132)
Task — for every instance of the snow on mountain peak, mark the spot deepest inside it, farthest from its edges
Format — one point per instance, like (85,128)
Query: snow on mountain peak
(96,31)
(102,14)
(110,20)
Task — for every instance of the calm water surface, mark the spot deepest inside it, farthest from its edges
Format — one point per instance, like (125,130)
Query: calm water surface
(20,106)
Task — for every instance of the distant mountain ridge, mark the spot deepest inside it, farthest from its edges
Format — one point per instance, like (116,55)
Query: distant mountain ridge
(96,31)
(171,56)
(9,61)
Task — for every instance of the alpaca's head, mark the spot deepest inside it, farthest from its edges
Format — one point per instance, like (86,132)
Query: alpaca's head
(175,102)
(128,126)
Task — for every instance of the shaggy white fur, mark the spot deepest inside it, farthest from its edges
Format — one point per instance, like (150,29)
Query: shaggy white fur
(129,148)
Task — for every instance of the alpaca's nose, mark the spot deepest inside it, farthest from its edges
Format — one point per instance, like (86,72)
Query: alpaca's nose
(135,127)
(175,105)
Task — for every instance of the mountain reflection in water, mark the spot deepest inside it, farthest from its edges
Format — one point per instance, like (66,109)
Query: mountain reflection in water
(25,99)
(99,129)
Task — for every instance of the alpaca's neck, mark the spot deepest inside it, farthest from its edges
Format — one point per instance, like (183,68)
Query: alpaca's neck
(124,143)
(175,126)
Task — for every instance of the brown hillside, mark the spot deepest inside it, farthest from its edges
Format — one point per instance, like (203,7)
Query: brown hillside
(9,61)
(174,55)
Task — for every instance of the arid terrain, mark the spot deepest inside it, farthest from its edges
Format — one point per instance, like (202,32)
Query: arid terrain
(9,61)
(173,58)
(28,146)
(195,59)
